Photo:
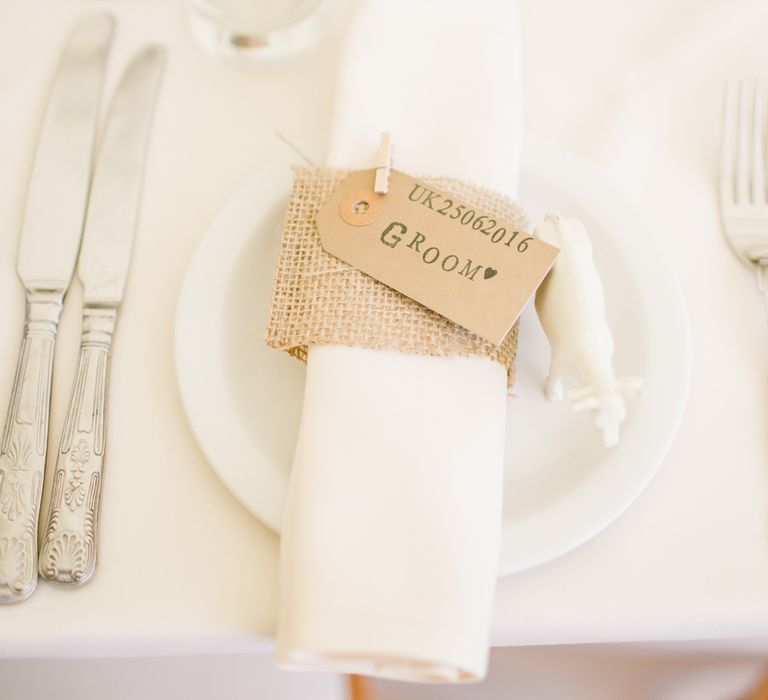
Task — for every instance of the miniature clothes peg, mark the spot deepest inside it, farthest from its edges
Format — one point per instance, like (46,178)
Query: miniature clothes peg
(383,163)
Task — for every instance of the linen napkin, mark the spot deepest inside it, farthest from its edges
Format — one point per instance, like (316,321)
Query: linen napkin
(391,534)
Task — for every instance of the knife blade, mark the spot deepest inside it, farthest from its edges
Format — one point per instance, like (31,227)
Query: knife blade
(114,203)
(50,237)
(68,551)
(58,186)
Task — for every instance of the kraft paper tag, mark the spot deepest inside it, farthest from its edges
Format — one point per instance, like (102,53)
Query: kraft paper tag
(461,262)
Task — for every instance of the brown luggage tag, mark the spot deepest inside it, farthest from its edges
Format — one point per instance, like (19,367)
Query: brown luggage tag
(452,257)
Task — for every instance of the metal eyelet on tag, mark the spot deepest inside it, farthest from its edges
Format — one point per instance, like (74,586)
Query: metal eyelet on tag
(361,207)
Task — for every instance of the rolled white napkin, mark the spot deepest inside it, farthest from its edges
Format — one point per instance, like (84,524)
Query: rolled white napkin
(391,534)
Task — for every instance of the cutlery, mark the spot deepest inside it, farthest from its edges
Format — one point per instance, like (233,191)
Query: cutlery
(743,202)
(68,551)
(50,238)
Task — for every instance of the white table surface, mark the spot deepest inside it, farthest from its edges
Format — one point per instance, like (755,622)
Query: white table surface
(635,88)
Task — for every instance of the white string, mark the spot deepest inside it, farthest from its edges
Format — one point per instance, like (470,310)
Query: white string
(295,149)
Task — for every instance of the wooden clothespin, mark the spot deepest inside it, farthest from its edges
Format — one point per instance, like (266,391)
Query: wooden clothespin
(383,163)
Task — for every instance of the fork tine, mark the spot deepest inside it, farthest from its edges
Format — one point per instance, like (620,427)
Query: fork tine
(742,154)
(727,146)
(758,152)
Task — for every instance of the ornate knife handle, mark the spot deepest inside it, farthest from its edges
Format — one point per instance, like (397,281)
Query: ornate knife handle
(68,553)
(23,446)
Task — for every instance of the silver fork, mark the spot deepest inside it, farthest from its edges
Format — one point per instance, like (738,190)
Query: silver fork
(743,201)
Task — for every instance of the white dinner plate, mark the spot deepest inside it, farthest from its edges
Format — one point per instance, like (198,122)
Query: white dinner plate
(243,399)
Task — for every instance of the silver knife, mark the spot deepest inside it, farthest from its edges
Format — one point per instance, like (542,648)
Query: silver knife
(68,552)
(50,238)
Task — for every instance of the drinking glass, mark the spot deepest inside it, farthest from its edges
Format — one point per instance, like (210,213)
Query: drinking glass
(256,30)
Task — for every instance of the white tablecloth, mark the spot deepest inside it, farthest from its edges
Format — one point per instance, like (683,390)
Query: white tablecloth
(635,88)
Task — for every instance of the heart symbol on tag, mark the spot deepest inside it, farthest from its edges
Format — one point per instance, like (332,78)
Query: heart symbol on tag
(490,272)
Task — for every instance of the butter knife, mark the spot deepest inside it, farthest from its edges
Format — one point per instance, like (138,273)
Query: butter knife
(50,237)
(68,552)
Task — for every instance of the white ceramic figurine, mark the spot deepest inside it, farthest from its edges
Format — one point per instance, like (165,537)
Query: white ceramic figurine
(571,308)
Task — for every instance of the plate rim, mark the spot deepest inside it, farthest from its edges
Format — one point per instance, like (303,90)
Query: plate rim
(263,503)
(548,157)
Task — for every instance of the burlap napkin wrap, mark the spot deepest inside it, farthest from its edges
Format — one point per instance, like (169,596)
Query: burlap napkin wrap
(319,299)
